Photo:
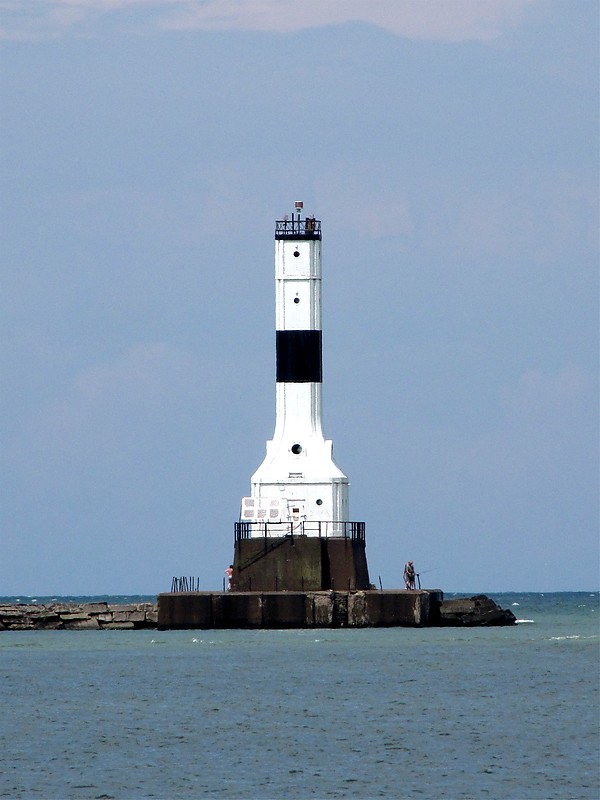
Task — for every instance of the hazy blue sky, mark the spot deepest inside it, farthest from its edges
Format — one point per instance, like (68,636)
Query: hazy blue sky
(450,148)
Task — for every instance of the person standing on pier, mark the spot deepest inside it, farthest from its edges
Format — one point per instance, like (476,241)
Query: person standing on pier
(409,575)
(229,573)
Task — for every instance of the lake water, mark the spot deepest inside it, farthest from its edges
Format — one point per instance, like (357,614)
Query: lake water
(501,713)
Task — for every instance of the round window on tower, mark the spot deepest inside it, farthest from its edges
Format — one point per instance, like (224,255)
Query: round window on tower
(296,449)
(319,502)
(296,253)
(296,299)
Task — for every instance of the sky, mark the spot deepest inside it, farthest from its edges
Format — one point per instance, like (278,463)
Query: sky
(450,148)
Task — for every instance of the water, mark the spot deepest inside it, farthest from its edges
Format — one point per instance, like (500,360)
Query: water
(501,713)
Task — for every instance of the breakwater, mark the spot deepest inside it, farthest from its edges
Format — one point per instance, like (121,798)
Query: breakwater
(326,609)
(78,616)
(214,610)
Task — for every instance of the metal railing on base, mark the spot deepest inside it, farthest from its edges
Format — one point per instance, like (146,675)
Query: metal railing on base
(185,584)
(323,529)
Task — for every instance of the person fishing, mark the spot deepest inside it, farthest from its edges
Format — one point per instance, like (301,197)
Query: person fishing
(409,575)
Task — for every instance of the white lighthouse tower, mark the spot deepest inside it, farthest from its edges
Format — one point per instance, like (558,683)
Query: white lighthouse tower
(298,482)
(294,533)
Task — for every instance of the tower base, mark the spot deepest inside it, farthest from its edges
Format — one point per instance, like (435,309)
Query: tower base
(299,564)
(281,610)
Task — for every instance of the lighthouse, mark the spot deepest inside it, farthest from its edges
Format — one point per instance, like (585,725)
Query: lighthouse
(299,561)
(299,496)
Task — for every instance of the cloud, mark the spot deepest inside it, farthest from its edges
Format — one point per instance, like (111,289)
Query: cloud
(545,431)
(372,195)
(433,20)
(546,215)
(414,19)
(109,411)
(143,376)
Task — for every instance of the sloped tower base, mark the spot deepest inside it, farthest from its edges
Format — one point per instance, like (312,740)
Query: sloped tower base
(299,564)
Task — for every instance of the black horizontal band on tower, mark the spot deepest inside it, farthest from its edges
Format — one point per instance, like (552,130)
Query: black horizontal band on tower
(299,357)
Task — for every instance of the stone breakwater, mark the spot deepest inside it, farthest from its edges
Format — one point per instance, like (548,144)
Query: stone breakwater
(262,610)
(84,616)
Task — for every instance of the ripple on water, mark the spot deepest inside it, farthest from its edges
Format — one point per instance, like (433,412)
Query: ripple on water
(387,713)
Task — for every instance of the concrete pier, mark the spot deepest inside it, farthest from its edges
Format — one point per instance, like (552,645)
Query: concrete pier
(323,609)
(230,610)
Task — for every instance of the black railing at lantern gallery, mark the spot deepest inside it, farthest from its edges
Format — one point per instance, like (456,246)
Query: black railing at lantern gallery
(309,228)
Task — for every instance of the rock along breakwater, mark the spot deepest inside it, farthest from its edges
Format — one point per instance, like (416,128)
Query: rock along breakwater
(78,616)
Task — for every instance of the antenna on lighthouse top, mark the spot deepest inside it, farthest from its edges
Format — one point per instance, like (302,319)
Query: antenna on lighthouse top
(298,225)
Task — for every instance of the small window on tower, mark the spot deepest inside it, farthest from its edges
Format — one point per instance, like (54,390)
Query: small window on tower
(296,299)
(296,449)
(296,253)
(319,502)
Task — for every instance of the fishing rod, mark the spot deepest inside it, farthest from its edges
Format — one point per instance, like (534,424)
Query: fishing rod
(423,572)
